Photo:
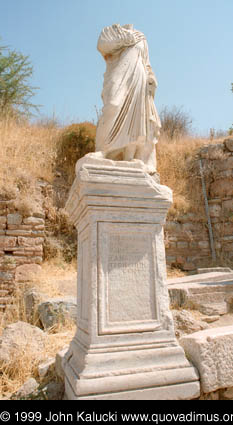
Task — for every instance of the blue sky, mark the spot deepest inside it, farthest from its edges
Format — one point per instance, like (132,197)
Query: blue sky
(190,45)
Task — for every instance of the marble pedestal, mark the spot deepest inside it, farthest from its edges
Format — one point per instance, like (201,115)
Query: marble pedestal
(124,347)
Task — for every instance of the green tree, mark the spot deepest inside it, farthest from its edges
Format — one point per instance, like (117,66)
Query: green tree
(15,89)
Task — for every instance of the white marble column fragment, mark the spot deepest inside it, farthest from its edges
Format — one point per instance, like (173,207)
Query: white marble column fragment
(124,347)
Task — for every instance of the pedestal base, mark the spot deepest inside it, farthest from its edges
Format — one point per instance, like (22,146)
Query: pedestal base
(158,373)
(125,347)
(186,391)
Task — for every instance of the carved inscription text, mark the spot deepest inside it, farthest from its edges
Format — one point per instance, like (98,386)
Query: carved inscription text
(130,277)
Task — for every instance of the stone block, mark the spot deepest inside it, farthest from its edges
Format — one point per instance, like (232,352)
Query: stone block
(211,309)
(34,221)
(40,227)
(225,164)
(22,241)
(214,151)
(7,276)
(221,188)
(211,351)
(59,362)
(207,292)
(170,259)
(171,245)
(214,270)
(228,247)
(2,220)
(54,390)
(193,245)
(228,205)
(173,227)
(14,218)
(17,232)
(56,310)
(3,204)
(210,319)
(37,233)
(188,266)
(228,394)
(32,298)
(39,214)
(204,244)
(18,252)
(225,174)
(229,144)
(180,260)
(18,227)
(26,389)
(182,245)
(5,300)
(20,336)
(215,210)
(25,272)
(227,238)
(7,242)
(46,367)
(38,259)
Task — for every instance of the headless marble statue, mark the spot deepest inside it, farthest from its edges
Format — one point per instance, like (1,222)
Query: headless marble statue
(129,125)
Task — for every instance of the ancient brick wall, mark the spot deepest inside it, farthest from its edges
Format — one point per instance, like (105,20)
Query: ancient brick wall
(21,248)
(187,239)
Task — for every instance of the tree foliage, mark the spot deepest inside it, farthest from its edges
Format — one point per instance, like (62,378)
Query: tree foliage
(76,141)
(15,90)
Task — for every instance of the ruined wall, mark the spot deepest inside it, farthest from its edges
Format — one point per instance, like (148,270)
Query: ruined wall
(21,247)
(187,238)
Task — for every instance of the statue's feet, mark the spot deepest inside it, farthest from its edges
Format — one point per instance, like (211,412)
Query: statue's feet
(98,155)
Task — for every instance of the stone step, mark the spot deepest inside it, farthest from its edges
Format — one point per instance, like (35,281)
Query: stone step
(212,309)
(202,278)
(210,296)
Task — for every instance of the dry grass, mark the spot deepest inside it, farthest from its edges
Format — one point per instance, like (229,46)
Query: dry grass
(24,362)
(27,148)
(53,273)
(27,153)
(177,166)
(173,272)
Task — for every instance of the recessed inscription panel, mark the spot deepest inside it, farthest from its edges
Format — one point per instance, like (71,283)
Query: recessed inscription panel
(130,286)
(127,277)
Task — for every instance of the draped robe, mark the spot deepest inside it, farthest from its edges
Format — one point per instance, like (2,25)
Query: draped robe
(129,114)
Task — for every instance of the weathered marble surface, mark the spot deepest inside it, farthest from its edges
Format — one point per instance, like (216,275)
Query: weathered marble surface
(129,125)
(211,351)
(125,346)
